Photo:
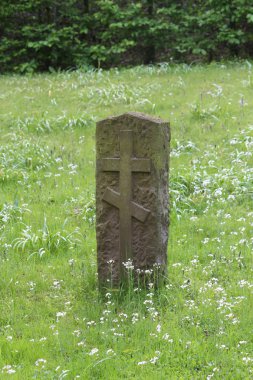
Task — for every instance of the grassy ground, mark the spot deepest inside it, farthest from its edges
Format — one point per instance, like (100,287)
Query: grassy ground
(53,325)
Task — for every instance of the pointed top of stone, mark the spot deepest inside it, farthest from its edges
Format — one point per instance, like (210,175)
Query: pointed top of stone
(135,115)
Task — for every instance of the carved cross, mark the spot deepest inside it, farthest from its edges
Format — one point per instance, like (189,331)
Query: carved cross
(125,165)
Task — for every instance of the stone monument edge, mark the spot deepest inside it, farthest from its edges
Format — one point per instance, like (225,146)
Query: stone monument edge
(135,115)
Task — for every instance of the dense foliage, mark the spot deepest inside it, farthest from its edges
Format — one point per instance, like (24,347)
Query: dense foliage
(43,34)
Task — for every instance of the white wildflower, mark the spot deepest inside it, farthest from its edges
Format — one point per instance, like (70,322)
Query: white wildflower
(40,362)
(93,351)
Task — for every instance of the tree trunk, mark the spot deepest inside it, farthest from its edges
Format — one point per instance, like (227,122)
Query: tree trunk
(150,46)
(86,6)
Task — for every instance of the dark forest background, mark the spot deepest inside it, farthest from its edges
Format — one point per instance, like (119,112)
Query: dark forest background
(40,35)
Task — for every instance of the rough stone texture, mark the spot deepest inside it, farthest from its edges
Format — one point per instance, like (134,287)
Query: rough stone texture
(131,195)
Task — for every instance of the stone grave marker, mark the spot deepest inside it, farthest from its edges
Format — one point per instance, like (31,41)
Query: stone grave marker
(131,196)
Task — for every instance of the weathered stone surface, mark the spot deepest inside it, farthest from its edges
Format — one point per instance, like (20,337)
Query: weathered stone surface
(131,196)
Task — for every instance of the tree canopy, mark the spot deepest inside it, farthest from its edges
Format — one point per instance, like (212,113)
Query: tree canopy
(39,35)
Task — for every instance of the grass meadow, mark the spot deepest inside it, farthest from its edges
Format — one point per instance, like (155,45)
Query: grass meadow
(53,323)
